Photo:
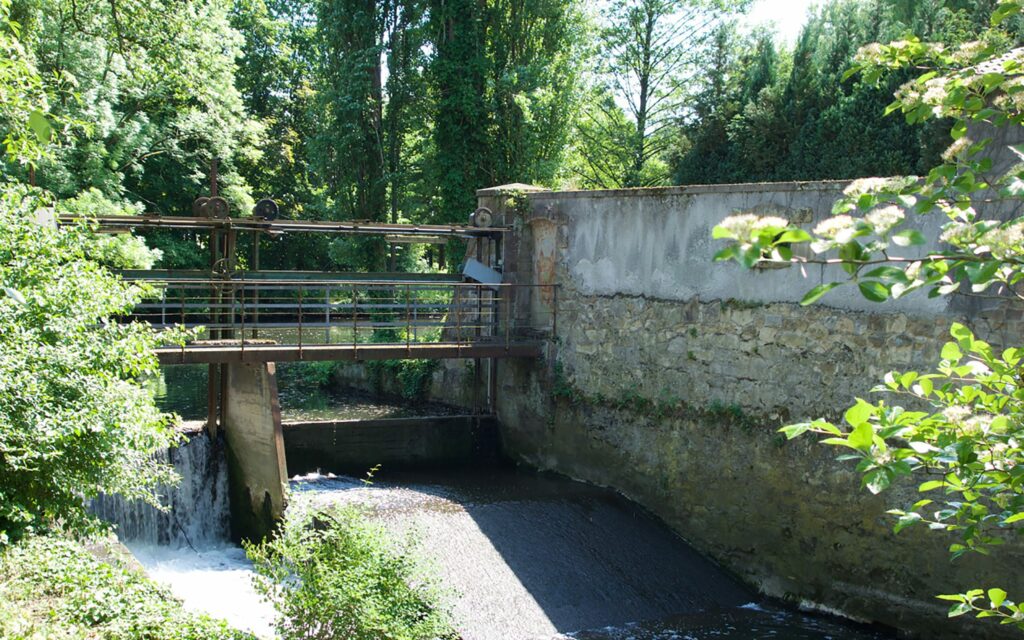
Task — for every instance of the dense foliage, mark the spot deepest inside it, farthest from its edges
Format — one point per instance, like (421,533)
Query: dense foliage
(958,429)
(766,113)
(52,588)
(336,574)
(74,421)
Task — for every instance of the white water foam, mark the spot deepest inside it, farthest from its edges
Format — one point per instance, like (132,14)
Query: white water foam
(216,581)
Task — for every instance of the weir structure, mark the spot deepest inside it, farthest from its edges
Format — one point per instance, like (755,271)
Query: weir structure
(244,320)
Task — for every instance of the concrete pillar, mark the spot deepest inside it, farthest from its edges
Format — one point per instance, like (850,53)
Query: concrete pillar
(257,475)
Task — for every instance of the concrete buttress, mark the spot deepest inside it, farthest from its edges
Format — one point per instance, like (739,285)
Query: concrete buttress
(257,475)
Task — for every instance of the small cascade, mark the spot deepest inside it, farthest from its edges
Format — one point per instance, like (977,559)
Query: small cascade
(198,515)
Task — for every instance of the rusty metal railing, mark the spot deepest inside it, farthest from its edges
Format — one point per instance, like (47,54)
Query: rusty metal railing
(355,312)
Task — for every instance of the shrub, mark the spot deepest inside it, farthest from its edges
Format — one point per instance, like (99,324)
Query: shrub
(54,588)
(335,574)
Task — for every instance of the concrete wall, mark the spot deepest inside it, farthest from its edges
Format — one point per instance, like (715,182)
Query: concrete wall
(257,475)
(671,374)
(354,446)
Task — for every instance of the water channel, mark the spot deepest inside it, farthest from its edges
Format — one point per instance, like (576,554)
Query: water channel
(523,555)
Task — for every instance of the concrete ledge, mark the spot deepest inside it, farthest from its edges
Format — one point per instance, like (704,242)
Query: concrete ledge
(353,446)
(654,192)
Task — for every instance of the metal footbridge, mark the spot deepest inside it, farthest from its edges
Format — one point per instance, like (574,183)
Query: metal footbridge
(250,315)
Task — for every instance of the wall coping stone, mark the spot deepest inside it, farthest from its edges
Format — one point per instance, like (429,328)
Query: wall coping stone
(744,187)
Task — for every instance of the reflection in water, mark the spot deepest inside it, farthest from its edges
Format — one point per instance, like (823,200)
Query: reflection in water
(181,389)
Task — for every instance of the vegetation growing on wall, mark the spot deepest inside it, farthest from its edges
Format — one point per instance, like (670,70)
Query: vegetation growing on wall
(716,412)
(965,443)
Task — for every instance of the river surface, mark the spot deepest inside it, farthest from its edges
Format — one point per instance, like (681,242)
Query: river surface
(523,556)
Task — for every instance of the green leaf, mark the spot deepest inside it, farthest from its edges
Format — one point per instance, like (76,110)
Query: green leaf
(924,387)
(959,609)
(908,237)
(997,597)
(727,253)
(960,332)
(950,351)
(906,520)
(931,485)
(959,129)
(41,126)
(874,290)
(793,235)
(722,233)
(859,413)
(794,430)
(862,437)
(891,273)
(878,480)
(1017,517)
(814,294)
(1004,11)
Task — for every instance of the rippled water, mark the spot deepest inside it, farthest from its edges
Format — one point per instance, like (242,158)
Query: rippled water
(542,557)
(525,556)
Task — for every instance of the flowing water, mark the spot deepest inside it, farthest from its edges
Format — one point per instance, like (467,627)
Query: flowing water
(524,556)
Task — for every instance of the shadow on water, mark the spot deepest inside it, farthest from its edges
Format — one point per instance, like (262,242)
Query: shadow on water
(540,556)
(528,556)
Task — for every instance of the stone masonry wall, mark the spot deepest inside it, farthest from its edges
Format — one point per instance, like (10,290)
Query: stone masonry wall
(670,375)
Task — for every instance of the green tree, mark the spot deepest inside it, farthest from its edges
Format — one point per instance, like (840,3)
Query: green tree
(74,422)
(790,115)
(960,427)
(652,50)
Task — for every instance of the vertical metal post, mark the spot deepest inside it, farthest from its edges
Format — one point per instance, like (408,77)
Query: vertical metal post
(213,371)
(457,296)
(355,327)
(408,321)
(242,297)
(183,321)
(212,387)
(300,322)
(256,290)
(327,315)
(508,313)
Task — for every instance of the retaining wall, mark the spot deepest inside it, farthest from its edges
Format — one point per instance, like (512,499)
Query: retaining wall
(670,375)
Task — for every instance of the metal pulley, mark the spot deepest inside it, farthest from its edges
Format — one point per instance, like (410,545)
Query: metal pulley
(482,217)
(266,209)
(217,207)
(199,207)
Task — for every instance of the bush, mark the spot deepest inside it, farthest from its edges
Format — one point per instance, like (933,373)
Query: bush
(337,575)
(54,588)
(74,419)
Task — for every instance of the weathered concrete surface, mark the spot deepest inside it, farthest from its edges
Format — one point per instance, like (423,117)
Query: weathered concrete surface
(354,446)
(647,321)
(657,242)
(257,475)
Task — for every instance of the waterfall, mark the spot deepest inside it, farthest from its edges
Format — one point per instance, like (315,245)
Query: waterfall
(198,514)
